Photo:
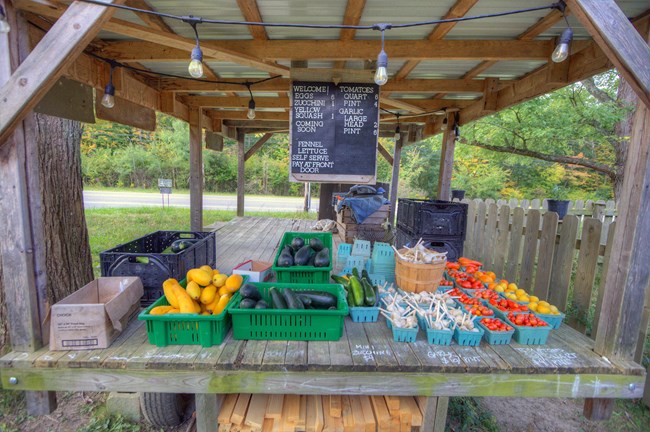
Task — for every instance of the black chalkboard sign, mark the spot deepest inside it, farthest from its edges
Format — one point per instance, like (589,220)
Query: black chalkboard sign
(334,130)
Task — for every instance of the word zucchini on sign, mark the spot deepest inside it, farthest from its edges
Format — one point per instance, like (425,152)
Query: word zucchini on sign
(334,130)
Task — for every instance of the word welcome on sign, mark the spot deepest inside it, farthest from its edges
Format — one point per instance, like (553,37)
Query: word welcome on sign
(334,130)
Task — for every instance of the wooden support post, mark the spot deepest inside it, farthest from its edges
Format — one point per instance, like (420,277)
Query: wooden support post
(394,181)
(646,394)
(628,274)
(618,39)
(57,50)
(22,257)
(241,177)
(258,145)
(196,171)
(208,407)
(382,150)
(446,160)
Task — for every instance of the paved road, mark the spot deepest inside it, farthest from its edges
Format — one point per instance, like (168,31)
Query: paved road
(96,199)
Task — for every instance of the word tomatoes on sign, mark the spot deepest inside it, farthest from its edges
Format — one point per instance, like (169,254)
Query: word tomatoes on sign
(334,130)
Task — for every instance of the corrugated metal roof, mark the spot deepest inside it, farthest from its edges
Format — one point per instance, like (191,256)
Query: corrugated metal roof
(510,69)
(442,69)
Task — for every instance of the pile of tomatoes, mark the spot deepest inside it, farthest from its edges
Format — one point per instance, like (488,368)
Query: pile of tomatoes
(465,299)
(469,282)
(486,294)
(445,282)
(527,320)
(479,310)
(508,305)
(495,324)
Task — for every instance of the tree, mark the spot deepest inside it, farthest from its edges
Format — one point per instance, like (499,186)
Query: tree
(584,127)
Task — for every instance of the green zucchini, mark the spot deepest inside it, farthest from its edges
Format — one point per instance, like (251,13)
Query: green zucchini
(293,302)
(355,273)
(357,291)
(368,293)
(306,301)
(277,299)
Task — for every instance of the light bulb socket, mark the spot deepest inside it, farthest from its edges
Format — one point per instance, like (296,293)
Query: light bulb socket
(382,59)
(251,104)
(109,89)
(567,36)
(197,54)
(397,130)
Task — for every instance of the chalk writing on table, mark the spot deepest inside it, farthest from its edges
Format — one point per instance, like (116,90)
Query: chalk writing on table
(368,352)
(548,357)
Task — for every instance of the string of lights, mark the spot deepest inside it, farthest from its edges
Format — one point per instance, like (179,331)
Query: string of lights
(195,67)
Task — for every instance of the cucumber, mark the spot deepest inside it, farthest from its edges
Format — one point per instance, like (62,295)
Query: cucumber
(355,273)
(293,302)
(368,293)
(319,299)
(276,299)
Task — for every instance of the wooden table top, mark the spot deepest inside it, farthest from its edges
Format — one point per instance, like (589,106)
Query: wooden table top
(366,360)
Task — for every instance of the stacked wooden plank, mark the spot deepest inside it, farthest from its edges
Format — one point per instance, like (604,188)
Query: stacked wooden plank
(311,413)
(370,229)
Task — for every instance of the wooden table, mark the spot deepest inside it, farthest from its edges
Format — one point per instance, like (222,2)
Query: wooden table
(365,360)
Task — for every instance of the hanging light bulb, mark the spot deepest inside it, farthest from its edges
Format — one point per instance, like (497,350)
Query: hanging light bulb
(381,75)
(251,103)
(457,125)
(108,100)
(196,63)
(4,23)
(561,51)
(251,109)
(444,124)
(196,58)
(397,133)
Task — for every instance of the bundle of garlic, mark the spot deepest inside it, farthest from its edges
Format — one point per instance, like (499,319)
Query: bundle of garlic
(436,314)
(462,320)
(419,254)
(398,315)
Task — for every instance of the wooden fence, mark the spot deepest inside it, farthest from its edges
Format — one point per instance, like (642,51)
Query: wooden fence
(542,255)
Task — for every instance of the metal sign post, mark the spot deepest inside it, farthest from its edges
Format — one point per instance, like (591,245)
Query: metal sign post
(165,186)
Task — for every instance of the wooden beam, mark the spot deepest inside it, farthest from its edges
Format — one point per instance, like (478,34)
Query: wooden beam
(490,94)
(251,13)
(272,50)
(196,171)
(235,102)
(153,21)
(352,16)
(385,153)
(258,145)
(160,37)
(459,9)
(169,104)
(397,103)
(284,85)
(241,177)
(47,62)
(618,39)
(447,159)
(243,115)
(530,33)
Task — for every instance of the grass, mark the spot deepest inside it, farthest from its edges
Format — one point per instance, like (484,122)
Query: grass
(464,414)
(183,191)
(109,227)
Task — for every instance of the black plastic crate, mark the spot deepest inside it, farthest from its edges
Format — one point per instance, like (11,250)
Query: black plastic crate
(452,245)
(144,258)
(432,217)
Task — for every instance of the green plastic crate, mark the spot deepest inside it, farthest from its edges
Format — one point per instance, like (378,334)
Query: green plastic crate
(289,324)
(186,329)
(303,274)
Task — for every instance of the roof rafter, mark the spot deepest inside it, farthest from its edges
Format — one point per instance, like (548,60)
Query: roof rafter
(153,21)
(352,16)
(459,9)
(251,12)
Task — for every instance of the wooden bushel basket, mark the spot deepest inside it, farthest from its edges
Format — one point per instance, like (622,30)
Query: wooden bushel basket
(418,277)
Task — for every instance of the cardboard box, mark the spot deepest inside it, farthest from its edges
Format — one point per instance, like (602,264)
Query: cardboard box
(257,271)
(93,316)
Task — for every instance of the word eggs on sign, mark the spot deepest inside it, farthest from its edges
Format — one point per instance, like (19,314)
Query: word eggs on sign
(334,131)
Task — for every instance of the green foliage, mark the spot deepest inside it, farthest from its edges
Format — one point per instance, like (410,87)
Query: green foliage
(113,423)
(465,415)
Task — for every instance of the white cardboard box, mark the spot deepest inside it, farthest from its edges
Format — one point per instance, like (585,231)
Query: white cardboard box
(93,316)
(257,271)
